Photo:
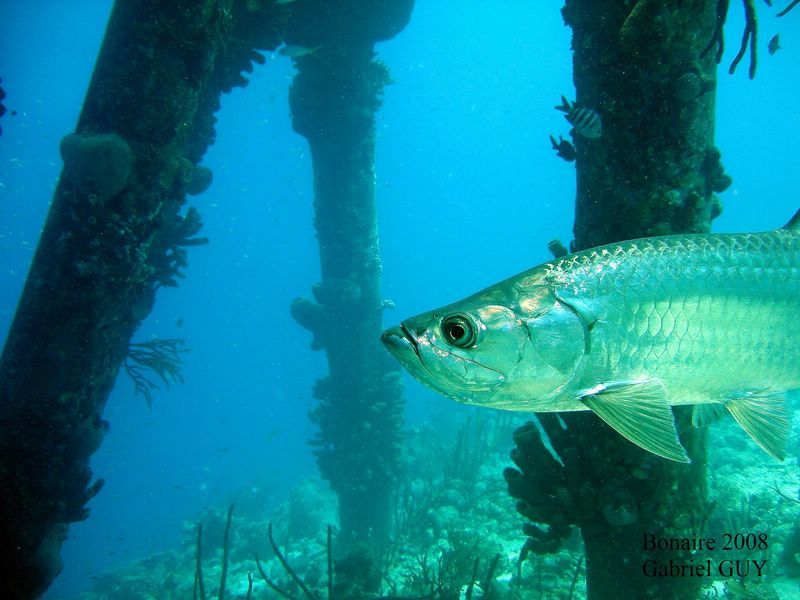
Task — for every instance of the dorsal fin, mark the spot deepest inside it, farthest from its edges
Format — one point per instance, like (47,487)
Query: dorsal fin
(794,222)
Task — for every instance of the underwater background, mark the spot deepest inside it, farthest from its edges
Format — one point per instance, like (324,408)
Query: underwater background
(469,191)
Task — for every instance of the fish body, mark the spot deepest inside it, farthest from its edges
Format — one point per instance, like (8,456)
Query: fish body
(628,330)
(564,149)
(2,108)
(774,44)
(295,51)
(585,121)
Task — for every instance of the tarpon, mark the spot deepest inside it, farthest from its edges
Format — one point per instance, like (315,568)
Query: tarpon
(628,330)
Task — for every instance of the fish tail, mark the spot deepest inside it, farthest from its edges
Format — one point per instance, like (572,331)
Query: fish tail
(565,105)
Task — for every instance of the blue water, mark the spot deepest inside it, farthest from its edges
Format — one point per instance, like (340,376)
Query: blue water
(469,192)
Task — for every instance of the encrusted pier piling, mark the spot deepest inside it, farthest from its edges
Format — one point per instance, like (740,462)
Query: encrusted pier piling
(115,233)
(648,69)
(334,98)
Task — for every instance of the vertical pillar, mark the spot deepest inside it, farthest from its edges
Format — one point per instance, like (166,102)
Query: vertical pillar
(334,98)
(643,67)
(113,235)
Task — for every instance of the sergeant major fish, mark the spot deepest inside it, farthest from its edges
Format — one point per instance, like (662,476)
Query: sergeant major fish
(584,121)
(628,330)
(564,149)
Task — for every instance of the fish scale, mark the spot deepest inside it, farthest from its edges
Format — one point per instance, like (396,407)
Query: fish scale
(628,330)
(694,310)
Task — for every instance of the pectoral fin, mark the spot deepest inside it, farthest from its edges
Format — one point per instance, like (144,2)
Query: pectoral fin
(639,411)
(763,416)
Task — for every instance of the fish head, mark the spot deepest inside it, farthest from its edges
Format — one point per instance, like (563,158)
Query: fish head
(493,349)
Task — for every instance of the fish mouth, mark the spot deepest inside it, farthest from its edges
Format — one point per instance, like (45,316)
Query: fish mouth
(428,362)
(399,339)
(411,339)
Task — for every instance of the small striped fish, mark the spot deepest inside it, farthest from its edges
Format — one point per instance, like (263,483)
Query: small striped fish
(584,121)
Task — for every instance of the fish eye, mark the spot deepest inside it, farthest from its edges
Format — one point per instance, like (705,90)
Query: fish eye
(458,330)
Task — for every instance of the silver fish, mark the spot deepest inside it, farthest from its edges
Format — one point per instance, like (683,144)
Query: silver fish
(585,121)
(293,51)
(628,330)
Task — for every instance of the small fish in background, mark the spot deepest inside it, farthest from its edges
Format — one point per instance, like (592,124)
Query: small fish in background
(268,437)
(2,108)
(563,148)
(774,44)
(585,121)
(294,51)
(283,1)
